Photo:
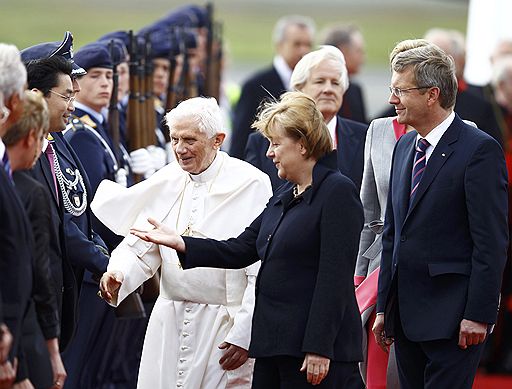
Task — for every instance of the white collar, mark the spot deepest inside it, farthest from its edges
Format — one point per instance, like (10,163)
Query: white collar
(331,126)
(97,115)
(2,149)
(283,70)
(434,136)
(211,171)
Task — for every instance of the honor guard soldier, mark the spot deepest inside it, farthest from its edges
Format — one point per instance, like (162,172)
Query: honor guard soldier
(87,131)
(88,134)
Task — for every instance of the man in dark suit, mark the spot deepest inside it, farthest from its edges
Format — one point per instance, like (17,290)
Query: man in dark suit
(322,75)
(445,236)
(350,41)
(41,326)
(292,37)
(16,240)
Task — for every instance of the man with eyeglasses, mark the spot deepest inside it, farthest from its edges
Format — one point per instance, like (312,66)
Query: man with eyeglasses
(74,246)
(445,234)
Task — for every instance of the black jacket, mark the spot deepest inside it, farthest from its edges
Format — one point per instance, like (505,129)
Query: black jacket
(16,261)
(305,300)
(36,201)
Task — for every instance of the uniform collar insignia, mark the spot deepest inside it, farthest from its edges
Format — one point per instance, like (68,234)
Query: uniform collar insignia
(86,119)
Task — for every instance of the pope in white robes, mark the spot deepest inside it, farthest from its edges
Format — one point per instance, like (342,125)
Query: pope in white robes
(200,327)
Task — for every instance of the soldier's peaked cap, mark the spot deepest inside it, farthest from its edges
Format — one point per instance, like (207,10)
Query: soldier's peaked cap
(49,49)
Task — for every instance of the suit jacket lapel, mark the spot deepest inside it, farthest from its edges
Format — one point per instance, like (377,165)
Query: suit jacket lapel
(347,144)
(405,176)
(436,161)
(48,176)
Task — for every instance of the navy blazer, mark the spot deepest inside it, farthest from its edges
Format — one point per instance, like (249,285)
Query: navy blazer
(16,259)
(252,94)
(443,256)
(351,137)
(35,199)
(305,299)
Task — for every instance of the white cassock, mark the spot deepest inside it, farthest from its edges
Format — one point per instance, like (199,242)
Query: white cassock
(197,309)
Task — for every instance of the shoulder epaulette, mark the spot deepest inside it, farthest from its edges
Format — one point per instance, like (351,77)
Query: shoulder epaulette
(88,121)
(75,124)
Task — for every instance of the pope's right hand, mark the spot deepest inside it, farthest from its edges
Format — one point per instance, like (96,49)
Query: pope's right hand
(109,285)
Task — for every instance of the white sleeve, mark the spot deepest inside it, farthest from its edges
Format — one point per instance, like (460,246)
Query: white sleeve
(137,260)
(240,333)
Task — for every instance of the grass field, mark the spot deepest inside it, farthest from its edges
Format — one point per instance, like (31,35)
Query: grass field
(247,24)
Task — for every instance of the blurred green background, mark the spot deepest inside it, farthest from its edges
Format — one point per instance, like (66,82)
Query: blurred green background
(247,25)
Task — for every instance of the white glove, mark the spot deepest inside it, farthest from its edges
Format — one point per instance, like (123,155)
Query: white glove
(170,152)
(141,163)
(158,157)
(121,177)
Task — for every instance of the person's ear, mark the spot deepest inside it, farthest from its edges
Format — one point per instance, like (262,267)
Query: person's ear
(31,138)
(302,148)
(13,102)
(219,139)
(433,95)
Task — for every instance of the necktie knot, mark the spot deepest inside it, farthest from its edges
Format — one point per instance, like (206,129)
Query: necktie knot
(49,150)
(422,145)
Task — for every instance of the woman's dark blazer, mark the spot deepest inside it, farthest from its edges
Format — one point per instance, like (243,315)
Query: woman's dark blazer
(305,301)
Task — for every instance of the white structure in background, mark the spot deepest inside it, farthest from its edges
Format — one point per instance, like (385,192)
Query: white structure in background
(488,22)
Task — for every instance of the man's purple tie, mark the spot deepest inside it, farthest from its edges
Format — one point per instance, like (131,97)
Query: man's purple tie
(419,164)
(50,154)
(7,166)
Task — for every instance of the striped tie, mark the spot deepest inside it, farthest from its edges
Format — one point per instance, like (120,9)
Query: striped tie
(419,164)
(7,166)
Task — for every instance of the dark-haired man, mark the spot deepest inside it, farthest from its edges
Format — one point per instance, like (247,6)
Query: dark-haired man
(74,246)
